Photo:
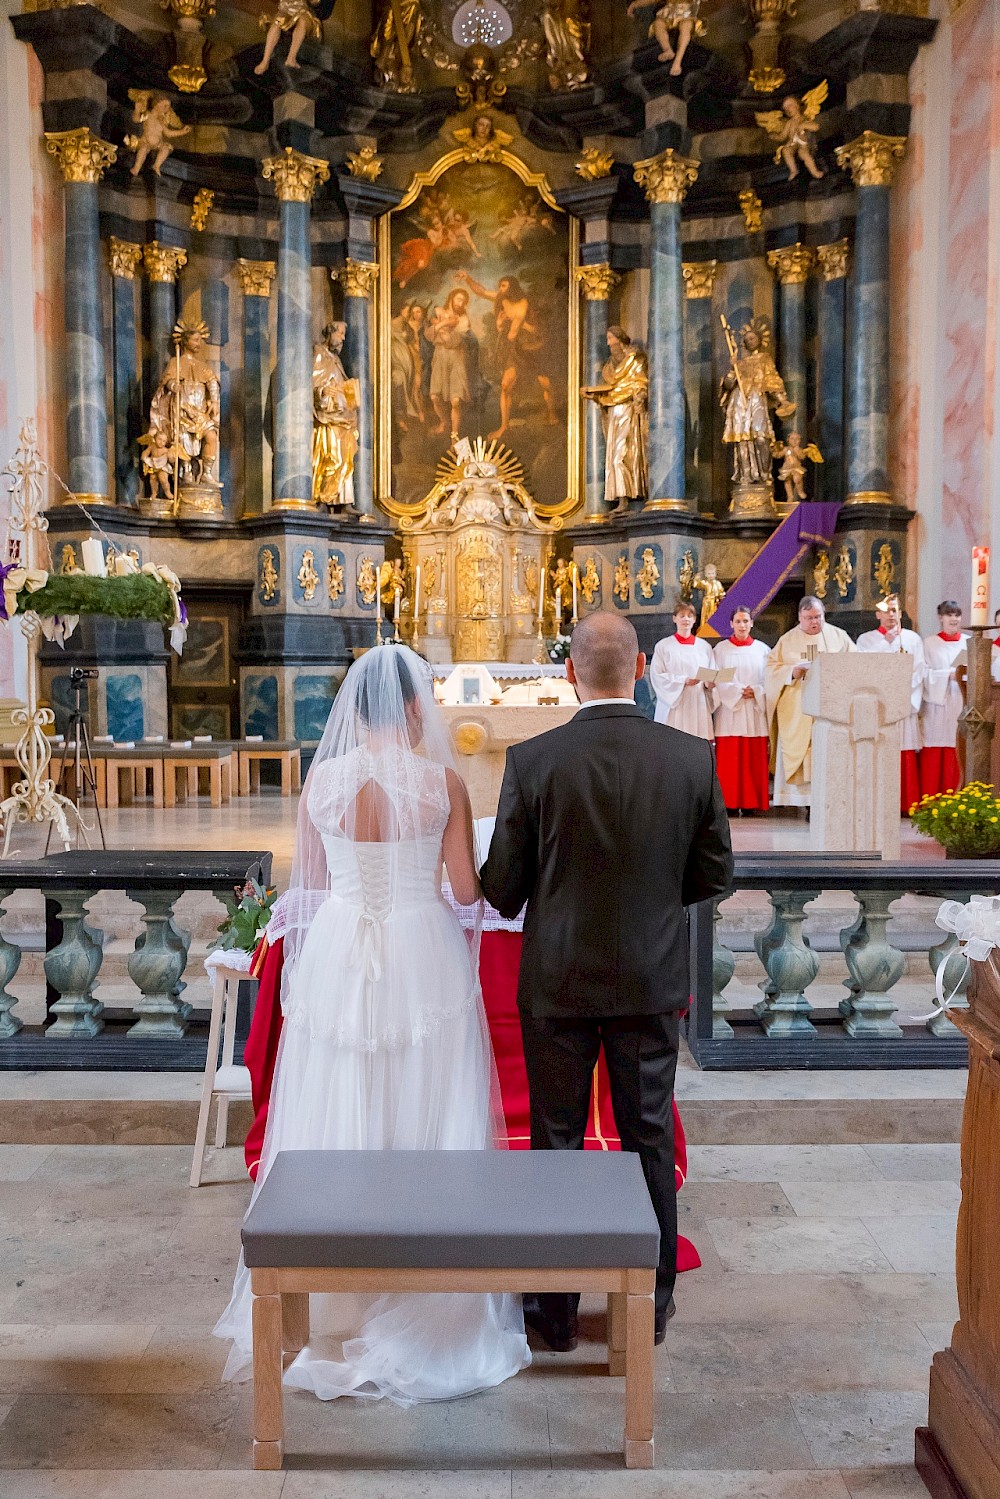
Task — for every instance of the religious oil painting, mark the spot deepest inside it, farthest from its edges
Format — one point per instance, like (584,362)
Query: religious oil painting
(479,327)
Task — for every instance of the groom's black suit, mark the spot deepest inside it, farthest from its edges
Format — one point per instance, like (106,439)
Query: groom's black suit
(608,827)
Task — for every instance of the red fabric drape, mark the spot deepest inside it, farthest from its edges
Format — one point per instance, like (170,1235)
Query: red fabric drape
(742,765)
(499,961)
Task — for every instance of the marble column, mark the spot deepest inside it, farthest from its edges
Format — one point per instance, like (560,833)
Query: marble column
(597,283)
(255,280)
(125,259)
(163,265)
(872,161)
(792,265)
(358,279)
(296,178)
(699,284)
(831,261)
(83,158)
(666,179)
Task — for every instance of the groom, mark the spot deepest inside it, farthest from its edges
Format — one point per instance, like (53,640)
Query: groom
(607,827)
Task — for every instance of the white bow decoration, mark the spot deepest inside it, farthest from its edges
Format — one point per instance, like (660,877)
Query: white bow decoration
(976,925)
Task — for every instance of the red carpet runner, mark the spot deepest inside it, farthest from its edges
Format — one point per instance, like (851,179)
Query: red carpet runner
(499,959)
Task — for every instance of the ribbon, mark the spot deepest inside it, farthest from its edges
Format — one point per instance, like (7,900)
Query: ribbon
(13,579)
(366,948)
(178,630)
(976,925)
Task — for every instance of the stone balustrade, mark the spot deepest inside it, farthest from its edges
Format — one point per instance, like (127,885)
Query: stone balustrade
(874,970)
(157,1032)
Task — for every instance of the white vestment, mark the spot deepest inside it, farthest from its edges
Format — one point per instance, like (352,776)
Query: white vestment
(790,727)
(909,643)
(737,716)
(943,701)
(680,706)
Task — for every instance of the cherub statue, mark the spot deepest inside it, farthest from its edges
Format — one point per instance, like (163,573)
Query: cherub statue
(712,592)
(792,472)
(67,560)
(792,127)
(160,126)
(158,461)
(682,14)
(295,16)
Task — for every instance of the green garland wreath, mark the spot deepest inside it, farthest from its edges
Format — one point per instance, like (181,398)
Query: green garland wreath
(137,597)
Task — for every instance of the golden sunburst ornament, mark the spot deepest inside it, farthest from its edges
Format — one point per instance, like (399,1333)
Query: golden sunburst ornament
(509,468)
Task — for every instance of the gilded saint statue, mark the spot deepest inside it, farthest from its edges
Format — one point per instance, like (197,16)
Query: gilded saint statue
(566,24)
(295,16)
(335,421)
(182,444)
(679,14)
(712,592)
(623,397)
(394,42)
(749,390)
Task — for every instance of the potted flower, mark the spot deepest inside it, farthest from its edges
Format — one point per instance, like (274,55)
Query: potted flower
(246,917)
(966,823)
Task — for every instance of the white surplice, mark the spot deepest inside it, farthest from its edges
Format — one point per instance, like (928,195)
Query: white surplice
(943,701)
(909,643)
(681,706)
(737,716)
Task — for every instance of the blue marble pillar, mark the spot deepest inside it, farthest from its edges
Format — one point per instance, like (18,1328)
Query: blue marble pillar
(359,280)
(124,259)
(215,311)
(293,369)
(792,265)
(596,281)
(255,279)
(830,368)
(700,399)
(86,414)
(163,265)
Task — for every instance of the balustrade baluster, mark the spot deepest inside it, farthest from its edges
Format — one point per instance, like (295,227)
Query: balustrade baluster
(956,977)
(723,968)
(156,966)
(791,966)
(10,962)
(72,967)
(875,967)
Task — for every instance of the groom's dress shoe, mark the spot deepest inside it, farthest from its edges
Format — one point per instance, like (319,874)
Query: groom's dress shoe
(660,1323)
(561,1338)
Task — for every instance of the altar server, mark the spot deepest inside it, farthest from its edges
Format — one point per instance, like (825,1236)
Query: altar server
(785,675)
(943,702)
(741,742)
(891,639)
(681,700)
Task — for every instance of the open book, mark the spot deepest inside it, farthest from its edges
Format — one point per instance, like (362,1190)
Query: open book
(712,674)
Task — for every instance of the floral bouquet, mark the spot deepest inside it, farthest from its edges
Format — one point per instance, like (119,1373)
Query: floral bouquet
(246,916)
(963,822)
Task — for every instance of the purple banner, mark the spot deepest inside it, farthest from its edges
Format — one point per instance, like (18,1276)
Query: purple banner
(809,524)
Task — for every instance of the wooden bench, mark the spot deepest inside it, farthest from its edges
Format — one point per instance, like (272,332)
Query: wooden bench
(451,1220)
(219,760)
(144,771)
(285,751)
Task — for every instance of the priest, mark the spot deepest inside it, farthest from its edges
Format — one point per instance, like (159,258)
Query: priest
(742,750)
(943,703)
(683,700)
(891,639)
(785,674)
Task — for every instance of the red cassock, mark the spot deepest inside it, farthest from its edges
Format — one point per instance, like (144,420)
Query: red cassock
(909,779)
(940,769)
(499,960)
(742,766)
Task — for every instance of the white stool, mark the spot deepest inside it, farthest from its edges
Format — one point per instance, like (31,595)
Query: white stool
(223,1079)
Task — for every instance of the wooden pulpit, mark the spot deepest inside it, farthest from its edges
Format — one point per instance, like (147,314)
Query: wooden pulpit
(958,1451)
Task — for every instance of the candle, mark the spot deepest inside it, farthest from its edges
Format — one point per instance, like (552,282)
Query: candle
(541,595)
(558,610)
(980,612)
(94,562)
(574,590)
(416,595)
(395,611)
(378,602)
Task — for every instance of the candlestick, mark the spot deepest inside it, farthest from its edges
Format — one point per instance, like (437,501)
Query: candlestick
(574,593)
(979,614)
(541,591)
(416,596)
(558,611)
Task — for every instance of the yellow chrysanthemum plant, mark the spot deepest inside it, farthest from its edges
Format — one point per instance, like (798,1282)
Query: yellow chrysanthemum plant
(963,822)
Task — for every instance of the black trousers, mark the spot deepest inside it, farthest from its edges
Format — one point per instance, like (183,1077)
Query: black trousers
(641,1053)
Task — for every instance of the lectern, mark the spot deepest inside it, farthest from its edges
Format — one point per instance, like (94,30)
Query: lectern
(857,702)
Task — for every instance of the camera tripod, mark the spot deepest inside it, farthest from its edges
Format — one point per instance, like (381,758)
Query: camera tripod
(76,751)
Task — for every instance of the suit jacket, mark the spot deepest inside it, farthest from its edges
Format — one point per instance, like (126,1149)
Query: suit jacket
(607,827)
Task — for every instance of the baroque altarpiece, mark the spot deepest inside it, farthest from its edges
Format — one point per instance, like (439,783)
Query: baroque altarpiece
(459,320)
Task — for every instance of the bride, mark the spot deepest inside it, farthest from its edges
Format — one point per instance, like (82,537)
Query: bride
(384,1044)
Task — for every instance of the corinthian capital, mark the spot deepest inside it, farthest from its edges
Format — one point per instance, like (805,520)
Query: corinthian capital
(358,277)
(597,281)
(295,176)
(666,177)
(81,155)
(163,262)
(832,260)
(255,277)
(124,258)
(699,279)
(792,264)
(872,158)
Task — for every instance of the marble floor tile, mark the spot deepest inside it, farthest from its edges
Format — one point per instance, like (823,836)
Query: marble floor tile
(780,1163)
(731,1431)
(860,1428)
(102,1295)
(918,1162)
(121,1431)
(563,1484)
(801,1297)
(179,1359)
(901,1199)
(778,1245)
(76,1243)
(938,1334)
(731,1199)
(714,1357)
(70,1359)
(916,1244)
(115,1163)
(149,1484)
(884,1483)
(440,1485)
(18,1163)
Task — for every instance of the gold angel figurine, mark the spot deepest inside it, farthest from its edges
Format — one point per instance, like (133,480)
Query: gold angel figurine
(792,127)
(792,472)
(160,126)
(295,16)
(680,13)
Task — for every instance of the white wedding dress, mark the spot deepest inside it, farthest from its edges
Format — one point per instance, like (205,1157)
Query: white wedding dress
(385,1047)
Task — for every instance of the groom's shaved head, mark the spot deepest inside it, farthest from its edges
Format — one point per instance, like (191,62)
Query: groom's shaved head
(604,653)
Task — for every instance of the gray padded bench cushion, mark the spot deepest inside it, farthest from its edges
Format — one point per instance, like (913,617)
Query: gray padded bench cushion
(453,1209)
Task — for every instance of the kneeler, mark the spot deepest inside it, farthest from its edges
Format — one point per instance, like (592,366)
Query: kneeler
(499,961)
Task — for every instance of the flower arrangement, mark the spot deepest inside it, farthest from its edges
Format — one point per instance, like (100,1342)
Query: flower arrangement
(246,916)
(963,822)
